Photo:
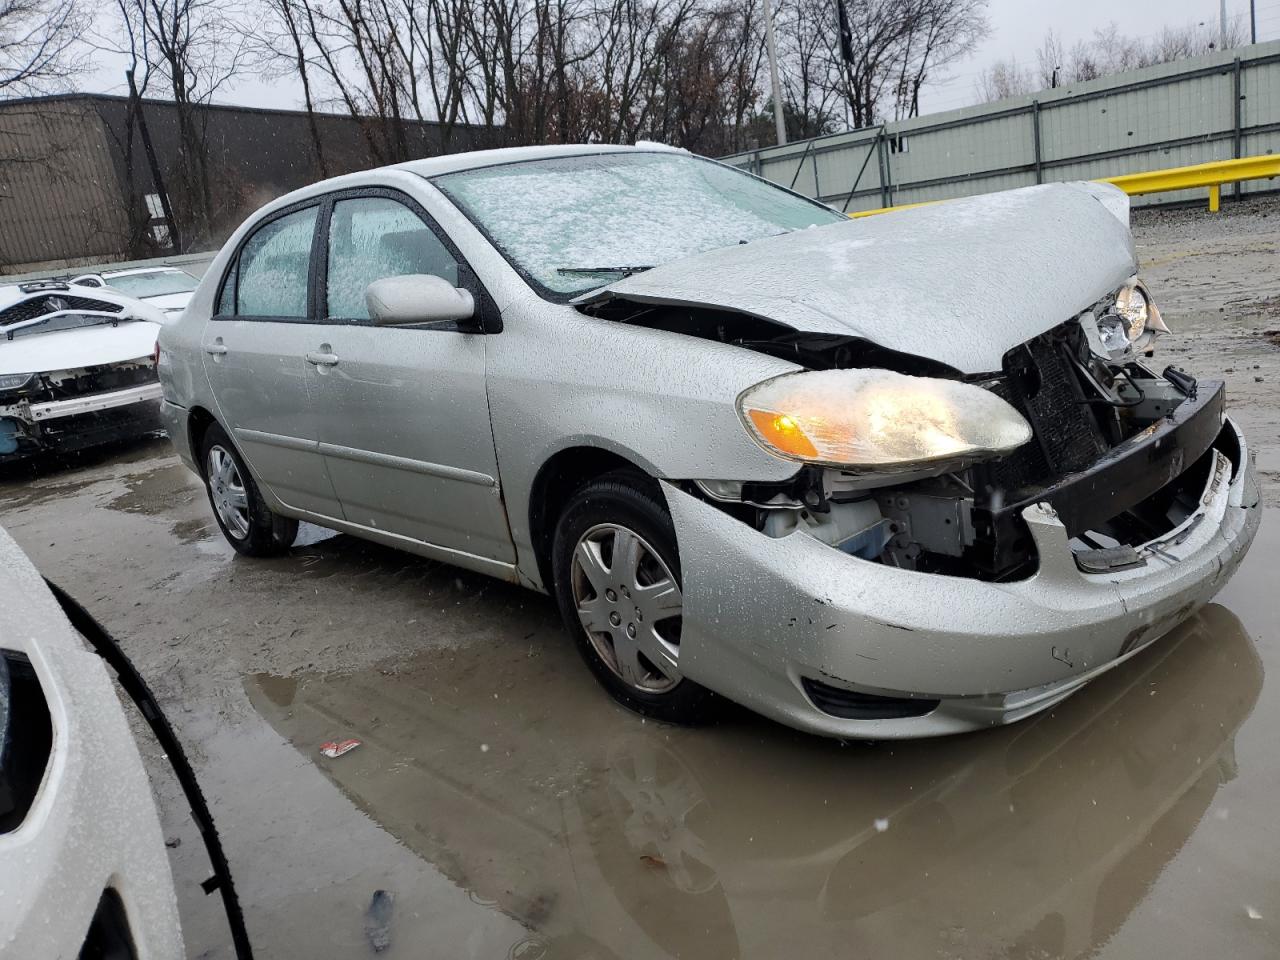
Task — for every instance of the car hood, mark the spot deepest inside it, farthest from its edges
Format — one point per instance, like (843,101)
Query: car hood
(960,282)
(170,301)
(85,347)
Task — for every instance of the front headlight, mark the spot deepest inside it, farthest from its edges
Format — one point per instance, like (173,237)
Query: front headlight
(1132,324)
(878,421)
(1134,308)
(14,381)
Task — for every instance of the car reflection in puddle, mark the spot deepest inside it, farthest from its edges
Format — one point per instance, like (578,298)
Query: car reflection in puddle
(607,836)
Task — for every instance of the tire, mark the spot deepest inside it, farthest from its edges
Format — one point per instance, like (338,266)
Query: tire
(242,515)
(626,625)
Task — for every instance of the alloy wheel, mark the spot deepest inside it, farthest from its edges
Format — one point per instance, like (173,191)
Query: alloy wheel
(226,489)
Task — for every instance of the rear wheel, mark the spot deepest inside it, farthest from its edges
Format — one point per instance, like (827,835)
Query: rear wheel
(617,579)
(244,517)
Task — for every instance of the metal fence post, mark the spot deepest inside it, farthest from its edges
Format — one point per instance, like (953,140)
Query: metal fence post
(1035,136)
(886,200)
(1236,109)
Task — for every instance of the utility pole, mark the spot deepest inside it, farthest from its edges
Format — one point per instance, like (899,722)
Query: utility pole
(1253,21)
(778,118)
(1222,24)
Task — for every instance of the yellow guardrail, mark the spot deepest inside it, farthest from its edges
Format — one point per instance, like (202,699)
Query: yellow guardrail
(1212,175)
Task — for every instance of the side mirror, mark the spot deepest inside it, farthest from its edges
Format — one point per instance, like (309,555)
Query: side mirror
(417,298)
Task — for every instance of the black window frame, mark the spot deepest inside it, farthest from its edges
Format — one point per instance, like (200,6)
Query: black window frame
(488,319)
(233,272)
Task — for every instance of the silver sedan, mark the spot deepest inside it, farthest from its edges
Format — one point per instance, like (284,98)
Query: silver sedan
(893,477)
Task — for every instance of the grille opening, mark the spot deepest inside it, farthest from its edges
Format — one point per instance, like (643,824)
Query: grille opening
(108,937)
(853,705)
(39,306)
(26,738)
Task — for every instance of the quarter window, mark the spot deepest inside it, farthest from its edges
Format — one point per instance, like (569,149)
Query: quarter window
(274,266)
(375,237)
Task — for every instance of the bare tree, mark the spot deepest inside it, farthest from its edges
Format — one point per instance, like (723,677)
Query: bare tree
(189,50)
(36,39)
(1106,53)
(686,72)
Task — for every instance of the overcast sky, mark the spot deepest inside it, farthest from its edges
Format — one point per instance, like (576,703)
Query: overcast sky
(1017,27)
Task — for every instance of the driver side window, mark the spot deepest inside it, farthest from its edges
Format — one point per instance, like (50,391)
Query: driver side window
(375,237)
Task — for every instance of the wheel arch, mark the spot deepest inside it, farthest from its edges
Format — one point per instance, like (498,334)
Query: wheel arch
(199,420)
(564,473)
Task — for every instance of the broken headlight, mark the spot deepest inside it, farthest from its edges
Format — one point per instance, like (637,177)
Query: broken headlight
(14,381)
(1132,324)
(878,421)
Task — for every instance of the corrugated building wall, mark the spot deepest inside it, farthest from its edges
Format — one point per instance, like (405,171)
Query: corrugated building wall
(58,184)
(1208,108)
(76,188)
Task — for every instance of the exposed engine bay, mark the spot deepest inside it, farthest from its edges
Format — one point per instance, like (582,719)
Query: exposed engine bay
(1121,452)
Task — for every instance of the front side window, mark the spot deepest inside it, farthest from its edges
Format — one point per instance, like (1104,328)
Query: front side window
(375,237)
(274,265)
(571,224)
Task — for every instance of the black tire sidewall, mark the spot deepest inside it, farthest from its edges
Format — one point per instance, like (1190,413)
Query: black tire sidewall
(268,534)
(628,502)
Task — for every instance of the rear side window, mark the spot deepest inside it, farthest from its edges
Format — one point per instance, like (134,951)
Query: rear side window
(375,237)
(273,268)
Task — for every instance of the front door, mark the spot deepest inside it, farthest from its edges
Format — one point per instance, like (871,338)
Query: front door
(254,356)
(403,414)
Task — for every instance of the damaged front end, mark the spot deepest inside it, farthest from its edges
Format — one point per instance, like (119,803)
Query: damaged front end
(1119,451)
(76,408)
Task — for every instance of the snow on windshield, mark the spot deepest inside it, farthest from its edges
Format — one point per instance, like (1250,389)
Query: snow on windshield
(158,284)
(620,210)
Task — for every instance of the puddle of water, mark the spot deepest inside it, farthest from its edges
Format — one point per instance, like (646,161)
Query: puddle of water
(619,837)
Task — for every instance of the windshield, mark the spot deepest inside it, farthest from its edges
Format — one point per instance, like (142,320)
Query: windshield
(571,224)
(158,284)
(61,321)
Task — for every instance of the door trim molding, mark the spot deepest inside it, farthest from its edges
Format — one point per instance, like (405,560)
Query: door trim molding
(275,439)
(405,463)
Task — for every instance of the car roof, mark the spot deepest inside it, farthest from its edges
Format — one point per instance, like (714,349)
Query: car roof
(453,162)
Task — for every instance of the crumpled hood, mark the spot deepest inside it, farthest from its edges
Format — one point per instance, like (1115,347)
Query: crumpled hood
(960,282)
(82,347)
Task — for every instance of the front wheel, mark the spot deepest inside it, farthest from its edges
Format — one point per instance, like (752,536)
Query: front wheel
(244,517)
(617,580)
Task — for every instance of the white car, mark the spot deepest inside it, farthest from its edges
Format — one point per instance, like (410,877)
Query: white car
(77,367)
(83,868)
(166,288)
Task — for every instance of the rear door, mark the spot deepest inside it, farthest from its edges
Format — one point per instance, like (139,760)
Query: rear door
(255,356)
(403,414)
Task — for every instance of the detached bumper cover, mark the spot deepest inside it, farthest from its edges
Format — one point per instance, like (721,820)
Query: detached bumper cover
(760,614)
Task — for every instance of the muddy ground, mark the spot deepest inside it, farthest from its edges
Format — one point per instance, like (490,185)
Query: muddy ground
(511,810)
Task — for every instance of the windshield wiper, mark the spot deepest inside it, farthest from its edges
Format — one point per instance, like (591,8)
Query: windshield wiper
(625,271)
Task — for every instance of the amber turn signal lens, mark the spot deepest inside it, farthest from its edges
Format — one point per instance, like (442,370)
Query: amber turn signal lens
(784,433)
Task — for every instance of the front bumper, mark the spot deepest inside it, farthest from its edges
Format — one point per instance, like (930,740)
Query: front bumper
(762,614)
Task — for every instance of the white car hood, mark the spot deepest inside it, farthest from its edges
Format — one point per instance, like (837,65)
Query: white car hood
(170,301)
(84,347)
(960,282)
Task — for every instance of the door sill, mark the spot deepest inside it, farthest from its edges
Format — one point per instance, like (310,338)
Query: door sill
(458,558)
